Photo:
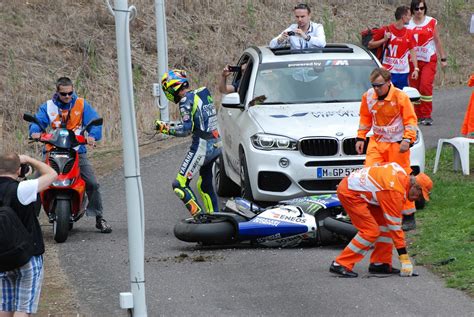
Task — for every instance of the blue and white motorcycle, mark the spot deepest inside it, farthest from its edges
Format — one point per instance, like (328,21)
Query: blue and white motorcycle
(310,220)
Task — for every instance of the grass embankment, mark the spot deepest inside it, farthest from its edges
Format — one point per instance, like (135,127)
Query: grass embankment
(444,240)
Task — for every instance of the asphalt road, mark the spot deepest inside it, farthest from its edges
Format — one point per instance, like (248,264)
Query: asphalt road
(183,279)
(449,107)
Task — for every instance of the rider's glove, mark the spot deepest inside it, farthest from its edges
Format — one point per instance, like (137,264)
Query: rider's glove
(162,127)
(407,267)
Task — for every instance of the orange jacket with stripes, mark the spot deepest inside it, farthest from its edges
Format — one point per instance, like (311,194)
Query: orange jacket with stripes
(387,177)
(392,119)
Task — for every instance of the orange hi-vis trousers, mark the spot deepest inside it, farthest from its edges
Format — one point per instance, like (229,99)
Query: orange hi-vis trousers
(385,152)
(378,226)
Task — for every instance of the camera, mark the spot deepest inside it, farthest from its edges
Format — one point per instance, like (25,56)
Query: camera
(234,69)
(290,33)
(24,170)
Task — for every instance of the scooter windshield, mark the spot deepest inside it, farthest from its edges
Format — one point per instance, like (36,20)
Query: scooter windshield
(63,138)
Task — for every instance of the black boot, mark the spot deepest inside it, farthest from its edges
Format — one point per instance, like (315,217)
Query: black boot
(341,270)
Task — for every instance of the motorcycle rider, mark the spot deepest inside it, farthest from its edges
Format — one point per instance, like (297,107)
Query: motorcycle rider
(199,117)
(373,197)
(66,106)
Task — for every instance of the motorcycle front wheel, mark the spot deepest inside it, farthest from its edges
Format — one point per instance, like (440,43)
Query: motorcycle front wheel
(61,223)
(214,231)
(341,227)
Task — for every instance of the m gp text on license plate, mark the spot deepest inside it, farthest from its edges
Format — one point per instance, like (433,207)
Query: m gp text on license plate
(335,172)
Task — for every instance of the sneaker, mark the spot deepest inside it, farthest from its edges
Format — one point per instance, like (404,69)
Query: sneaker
(102,225)
(408,222)
(384,268)
(427,121)
(341,270)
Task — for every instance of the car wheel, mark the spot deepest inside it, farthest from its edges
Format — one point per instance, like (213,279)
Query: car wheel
(245,187)
(225,187)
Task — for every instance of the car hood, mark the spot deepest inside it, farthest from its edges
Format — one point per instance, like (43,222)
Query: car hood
(297,121)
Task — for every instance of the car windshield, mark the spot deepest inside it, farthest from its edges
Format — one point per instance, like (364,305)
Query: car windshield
(322,81)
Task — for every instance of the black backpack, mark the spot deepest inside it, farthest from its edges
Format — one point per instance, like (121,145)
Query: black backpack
(16,245)
(366,36)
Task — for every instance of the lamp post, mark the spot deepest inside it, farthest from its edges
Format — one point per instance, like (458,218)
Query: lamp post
(135,300)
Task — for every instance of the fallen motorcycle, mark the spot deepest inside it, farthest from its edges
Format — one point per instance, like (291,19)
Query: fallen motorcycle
(309,220)
(65,200)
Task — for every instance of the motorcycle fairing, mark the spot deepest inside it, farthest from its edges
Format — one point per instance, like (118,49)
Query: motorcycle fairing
(274,225)
(312,204)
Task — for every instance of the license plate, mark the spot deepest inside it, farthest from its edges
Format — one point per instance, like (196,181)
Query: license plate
(335,172)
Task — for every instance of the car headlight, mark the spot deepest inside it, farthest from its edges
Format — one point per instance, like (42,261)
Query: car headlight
(268,142)
(63,183)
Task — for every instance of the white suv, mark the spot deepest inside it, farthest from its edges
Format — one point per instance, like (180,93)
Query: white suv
(290,129)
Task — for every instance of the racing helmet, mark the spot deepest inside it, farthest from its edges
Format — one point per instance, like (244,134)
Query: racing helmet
(172,82)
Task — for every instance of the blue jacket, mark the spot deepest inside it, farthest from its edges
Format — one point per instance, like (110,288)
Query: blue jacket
(88,115)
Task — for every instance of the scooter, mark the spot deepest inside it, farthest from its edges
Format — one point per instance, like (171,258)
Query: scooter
(310,220)
(64,201)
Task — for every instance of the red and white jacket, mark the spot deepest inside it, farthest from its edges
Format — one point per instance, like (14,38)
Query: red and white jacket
(424,36)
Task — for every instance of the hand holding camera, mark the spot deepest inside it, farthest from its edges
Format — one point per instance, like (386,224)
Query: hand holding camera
(233,69)
(25,170)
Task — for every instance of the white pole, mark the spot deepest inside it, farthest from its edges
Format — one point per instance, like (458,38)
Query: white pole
(162,51)
(133,185)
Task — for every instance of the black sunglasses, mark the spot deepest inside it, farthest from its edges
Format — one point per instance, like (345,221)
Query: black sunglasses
(419,8)
(376,85)
(64,94)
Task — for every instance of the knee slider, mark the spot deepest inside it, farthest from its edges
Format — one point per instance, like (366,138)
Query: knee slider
(178,190)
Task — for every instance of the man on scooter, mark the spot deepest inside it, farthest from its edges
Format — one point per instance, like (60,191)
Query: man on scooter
(199,117)
(66,106)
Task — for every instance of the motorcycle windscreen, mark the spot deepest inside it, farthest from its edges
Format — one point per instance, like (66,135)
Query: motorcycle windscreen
(62,138)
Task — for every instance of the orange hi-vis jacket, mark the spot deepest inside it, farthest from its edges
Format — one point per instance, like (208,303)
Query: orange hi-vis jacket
(467,128)
(370,180)
(74,122)
(392,119)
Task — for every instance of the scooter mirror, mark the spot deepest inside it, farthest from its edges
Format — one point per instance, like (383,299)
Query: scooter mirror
(95,122)
(31,118)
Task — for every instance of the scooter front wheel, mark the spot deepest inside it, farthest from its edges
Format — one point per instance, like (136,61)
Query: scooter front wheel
(61,223)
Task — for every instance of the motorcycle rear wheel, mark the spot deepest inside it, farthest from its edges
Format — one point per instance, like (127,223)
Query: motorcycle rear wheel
(61,223)
(216,231)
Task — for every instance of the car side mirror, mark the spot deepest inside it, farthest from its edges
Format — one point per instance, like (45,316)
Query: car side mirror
(231,100)
(412,93)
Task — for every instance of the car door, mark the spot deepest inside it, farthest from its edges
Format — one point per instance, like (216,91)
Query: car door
(233,122)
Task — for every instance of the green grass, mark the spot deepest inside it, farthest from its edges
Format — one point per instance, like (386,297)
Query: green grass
(444,240)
